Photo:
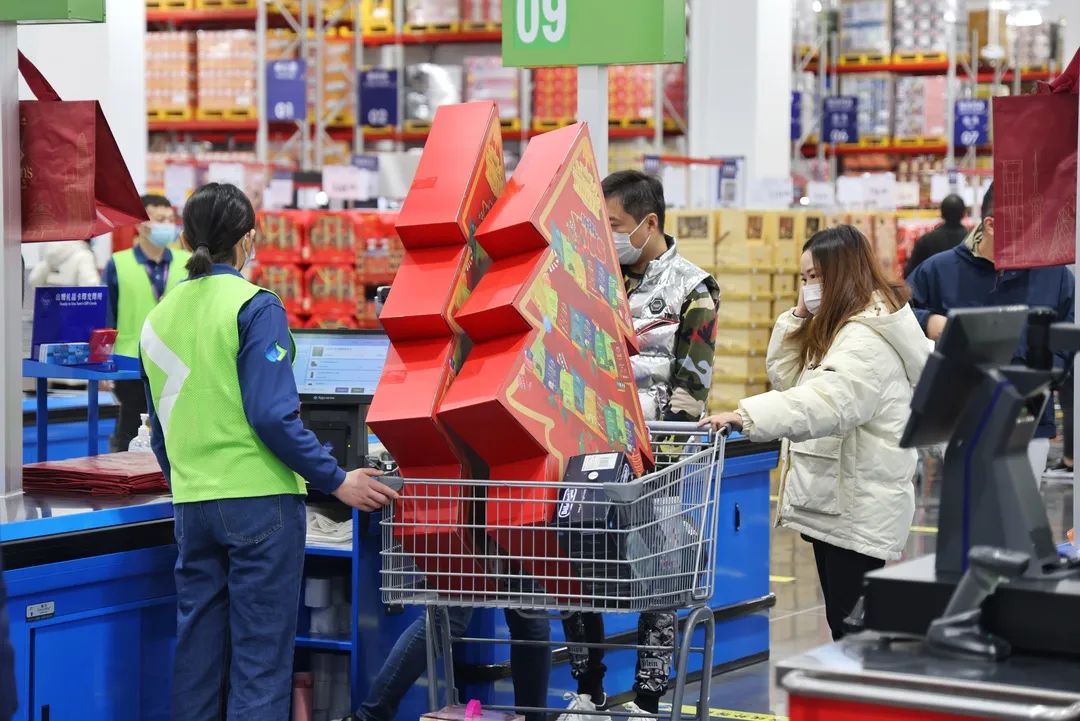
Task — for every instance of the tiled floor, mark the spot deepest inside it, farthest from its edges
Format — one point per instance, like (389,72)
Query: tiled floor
(798,619)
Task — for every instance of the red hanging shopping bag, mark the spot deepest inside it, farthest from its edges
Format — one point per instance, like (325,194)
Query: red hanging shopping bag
(1035,138)
(75,184)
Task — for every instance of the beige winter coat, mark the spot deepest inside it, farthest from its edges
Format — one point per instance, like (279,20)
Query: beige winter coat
(845,480)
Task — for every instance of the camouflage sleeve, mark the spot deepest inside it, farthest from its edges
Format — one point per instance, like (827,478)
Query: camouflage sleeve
(694,348)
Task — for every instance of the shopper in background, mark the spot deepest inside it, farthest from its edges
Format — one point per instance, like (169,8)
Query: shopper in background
(946,236)
(673,304)
(137,279)
(216,358)
(842,364)
(965,277)
(66,264)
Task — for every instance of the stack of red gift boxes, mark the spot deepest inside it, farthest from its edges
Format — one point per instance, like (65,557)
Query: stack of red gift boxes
(630,93)
(326,265)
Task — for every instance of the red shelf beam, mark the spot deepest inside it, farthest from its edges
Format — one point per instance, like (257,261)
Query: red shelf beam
(938,68)
(810,150)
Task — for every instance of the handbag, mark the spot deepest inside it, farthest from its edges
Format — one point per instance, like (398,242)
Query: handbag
(75,184)
(1035,140)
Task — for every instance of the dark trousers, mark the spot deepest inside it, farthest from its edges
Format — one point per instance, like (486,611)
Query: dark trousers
(653,670)
(530,666)
(132,399)
(238,579)
(841,572)
(1065,396)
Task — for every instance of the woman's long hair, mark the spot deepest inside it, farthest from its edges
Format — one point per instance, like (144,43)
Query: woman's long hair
(850,276)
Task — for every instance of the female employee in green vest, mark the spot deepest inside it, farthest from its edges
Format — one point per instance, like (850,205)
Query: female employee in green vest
(137,279)
(216,358)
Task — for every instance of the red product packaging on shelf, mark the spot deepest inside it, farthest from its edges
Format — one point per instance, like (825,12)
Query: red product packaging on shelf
(333,322)
(331,290)
(287,281)
(331,238)
(379,251)
(282,235)
(102,341)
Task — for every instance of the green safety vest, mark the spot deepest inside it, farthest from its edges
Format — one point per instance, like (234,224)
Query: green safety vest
(189,346)
(136,296)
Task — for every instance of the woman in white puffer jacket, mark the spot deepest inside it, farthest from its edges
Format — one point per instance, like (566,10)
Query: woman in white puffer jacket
(842,365)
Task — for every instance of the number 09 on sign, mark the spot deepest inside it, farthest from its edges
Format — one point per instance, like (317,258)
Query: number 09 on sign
(593,32)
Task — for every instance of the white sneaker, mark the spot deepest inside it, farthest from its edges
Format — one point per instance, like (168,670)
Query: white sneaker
(578,702)
(629,709)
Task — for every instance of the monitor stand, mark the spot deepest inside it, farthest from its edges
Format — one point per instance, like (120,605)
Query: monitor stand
(343,427)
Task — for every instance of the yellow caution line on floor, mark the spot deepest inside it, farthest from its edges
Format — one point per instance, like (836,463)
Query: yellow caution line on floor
(924,529)
(782,579)
(690,712)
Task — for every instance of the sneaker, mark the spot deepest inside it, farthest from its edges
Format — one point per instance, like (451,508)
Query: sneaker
(628,710)
(1059,470)
(579,702)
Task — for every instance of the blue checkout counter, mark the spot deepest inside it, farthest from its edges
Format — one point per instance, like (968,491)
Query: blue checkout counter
(68,426)
(92,603)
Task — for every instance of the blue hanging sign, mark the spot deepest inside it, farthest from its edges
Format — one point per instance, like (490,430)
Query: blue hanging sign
(286,91)
(796,116)
(972,123)
(841,119)
(378,98)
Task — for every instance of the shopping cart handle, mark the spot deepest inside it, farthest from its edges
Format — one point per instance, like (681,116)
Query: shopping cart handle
(395,483)
(687,427)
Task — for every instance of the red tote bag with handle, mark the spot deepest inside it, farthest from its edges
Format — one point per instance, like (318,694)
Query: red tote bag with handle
(1035,175)
(75,184)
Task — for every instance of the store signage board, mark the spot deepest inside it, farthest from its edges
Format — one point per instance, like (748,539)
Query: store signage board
(907,194)
(226,173)
(880,191)
(52,11)
(67,315)
(841,119)
(796,116)
(539,33)
(286,90)
(851,191)
(771,193)
(821,194)
(368,165)
(378,98)
(972,123)
(180,182)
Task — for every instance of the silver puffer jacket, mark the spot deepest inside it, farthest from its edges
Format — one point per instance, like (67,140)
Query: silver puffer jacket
(655,306)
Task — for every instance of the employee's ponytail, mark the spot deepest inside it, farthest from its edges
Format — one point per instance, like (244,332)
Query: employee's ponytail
(216,217)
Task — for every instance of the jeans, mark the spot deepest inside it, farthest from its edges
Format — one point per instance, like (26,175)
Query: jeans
(530,666)
(238,579)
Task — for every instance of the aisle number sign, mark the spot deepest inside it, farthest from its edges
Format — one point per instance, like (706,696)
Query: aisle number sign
(841,121)
(538,33)
(378,97)
(286,90)
(972,123)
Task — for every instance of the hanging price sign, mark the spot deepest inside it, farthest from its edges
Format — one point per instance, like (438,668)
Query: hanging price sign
(378,98)
(841,119)
(286,90)
(972,123)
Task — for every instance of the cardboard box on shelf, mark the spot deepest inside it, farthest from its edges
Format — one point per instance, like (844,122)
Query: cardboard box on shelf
(701,253)
(736,340)
(726,396)
(691,224)
(985,22)
(745,313)
(784,304)
(225,69)
(744,285)
(170,90)
(748,368)
(884,241)
(785,284)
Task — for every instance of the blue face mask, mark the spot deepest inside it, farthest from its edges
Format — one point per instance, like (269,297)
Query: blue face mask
(163,234)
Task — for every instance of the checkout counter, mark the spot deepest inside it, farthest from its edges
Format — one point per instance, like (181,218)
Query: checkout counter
(989,626)
(92,598)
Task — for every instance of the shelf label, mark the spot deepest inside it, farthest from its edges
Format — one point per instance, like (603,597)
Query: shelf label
(841,119)
(972,123)
(378,98)
(286,91)
(539,33)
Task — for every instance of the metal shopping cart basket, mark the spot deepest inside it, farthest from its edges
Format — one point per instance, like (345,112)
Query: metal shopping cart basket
(559,548)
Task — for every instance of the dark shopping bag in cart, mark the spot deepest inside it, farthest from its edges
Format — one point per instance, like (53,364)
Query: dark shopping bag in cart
(75,184)
(1035,175)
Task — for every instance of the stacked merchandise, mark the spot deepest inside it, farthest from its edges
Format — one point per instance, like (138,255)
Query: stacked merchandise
(806,27)
(880,229)
(169,64)
(865,31)
(912,226)
(874,91)
(339,73)
(325,265)
(377,17)
(920,169)
(116,474)
(1035,45)
(432,15)
(992,32)
(487,79)
(920,110)
(280,44)
(630,94)
(481,14)
(919,30)
(427,87)
(554,95)
(675,94)
(226,69)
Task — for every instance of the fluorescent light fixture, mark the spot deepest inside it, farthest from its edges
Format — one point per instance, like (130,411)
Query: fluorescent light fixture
(1026,18)
(817,6)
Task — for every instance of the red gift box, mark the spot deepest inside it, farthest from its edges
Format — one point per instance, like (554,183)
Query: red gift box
(331,238)
(282,235)
(332,290)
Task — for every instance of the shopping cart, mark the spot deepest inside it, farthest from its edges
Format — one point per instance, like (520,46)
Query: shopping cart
(559,548)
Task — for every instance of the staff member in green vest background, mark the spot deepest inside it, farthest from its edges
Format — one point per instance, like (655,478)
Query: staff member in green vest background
(137,279)
(216,357)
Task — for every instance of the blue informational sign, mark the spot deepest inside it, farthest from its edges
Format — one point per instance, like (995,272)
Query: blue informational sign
(796,116)
(286,90)
(841,119)
(67,315)
(378,98)
(972,123)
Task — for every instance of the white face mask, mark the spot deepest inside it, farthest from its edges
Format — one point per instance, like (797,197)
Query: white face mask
(811,295)
(628,254)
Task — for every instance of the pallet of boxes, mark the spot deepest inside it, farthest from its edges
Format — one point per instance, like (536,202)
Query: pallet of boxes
(754,256)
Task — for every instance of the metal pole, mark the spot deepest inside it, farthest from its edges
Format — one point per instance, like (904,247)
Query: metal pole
(262,139)
(320,84)
(399,63)
(525,106)
(834,60)
(1016,64)
(658,109)
(950,95)
(822,85)
(592,107)
(358,65)
(302,33)
(10,264)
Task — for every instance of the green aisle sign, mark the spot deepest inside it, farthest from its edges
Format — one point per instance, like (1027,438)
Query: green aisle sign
(538,33)
(52,11)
